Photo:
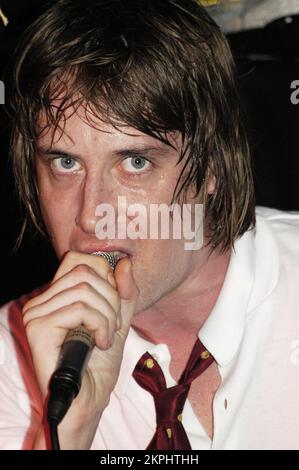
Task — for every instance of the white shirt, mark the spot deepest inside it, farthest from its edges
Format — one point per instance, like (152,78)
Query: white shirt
(252,331)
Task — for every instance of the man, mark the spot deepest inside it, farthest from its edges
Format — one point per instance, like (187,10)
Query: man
(137,99)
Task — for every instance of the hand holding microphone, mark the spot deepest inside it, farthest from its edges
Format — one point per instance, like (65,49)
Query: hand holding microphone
(83,292)
(66,381)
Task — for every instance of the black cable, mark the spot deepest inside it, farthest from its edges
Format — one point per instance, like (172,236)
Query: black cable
(62,393)
(53,428)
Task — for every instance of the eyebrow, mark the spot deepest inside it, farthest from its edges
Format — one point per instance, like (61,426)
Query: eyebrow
(126,152)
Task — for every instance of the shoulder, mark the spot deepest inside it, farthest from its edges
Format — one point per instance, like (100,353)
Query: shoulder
(283,227)
(273,253)
(278,219)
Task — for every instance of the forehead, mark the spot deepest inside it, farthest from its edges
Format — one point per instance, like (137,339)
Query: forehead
(81,127)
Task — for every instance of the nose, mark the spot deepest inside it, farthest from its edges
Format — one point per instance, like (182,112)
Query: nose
(94,192)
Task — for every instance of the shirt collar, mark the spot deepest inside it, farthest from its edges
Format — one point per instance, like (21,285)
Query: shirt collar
(135,347)
(251,276)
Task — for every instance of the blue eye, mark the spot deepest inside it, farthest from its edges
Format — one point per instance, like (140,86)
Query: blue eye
(64,164)
(136,164)
(67,163)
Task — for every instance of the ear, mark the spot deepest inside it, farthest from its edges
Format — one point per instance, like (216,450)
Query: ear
(211,185)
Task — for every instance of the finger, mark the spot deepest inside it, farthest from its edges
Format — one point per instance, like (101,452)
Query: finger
(126,285)
(73,258)
(81,293)
(128,291)
(68,317)
(80,274)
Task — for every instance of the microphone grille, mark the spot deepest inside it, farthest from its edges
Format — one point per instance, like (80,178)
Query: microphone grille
(110,257)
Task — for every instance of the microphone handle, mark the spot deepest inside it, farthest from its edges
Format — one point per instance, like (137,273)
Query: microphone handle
(66,381)
(76,349)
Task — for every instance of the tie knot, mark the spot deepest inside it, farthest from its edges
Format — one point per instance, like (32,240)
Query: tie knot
(169,404)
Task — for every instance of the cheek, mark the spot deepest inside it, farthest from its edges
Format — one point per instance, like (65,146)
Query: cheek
(157,189)
(59,222)
(58,212)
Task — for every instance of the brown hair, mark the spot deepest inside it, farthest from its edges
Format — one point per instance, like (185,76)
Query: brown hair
(158,66)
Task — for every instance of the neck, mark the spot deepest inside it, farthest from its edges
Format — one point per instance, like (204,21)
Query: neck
(176,318)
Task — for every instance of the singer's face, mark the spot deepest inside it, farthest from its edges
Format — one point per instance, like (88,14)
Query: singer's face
(86,167)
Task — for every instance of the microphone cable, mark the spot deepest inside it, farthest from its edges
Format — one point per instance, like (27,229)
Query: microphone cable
(53,429)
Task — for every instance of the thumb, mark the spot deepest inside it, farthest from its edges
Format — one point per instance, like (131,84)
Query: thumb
(127,290)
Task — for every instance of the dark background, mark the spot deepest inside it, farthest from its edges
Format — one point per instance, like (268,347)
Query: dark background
(267,61)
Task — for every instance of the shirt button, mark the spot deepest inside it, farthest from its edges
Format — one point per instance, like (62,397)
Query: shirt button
(225,403)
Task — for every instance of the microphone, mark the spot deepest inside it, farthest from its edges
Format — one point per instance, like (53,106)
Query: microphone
(75,352)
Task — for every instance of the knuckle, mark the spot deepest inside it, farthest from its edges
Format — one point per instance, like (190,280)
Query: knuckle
(80,271)
(32,328)
(84,286)
(26,316)
(102,333)
(26,306)
(79,305)
(71,255)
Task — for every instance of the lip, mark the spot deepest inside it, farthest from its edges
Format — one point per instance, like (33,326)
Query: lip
(105,248)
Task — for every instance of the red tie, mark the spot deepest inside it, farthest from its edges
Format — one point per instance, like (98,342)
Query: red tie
(169,402)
